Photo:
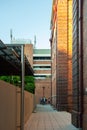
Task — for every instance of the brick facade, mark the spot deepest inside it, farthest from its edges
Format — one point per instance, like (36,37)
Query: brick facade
(44,82)
(70,55)
(77,67)
(29,53)
(76,53)
(39,92)
(62,64)
(79,113)
(61,45)
(43,74)
(85,65)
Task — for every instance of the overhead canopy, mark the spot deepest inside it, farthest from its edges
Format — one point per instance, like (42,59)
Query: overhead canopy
(10,60)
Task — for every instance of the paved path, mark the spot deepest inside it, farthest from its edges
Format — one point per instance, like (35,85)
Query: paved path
(47,118)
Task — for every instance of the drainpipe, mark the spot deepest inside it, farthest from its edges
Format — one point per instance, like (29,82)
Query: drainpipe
(51,73)
(51,65)
(81,57)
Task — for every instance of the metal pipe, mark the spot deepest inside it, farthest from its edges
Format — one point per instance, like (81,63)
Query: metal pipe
(81,56)
(51,72)
(51,64)
(22,87)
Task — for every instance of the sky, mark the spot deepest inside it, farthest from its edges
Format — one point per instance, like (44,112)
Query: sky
(26,18)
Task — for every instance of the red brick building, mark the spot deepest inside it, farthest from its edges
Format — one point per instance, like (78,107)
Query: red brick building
(79,113)
(61,46)
(42,73)
(84,60)
(40,60)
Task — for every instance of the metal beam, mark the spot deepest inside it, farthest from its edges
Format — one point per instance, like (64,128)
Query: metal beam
(22,86)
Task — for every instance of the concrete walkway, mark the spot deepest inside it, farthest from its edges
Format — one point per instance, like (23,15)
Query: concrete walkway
(47,118)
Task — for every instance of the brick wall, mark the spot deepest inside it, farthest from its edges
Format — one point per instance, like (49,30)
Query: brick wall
(77,67)
(62,64)
(29,53)
(70,55)
(41,62)
(85,65)
(42,71)
(40,83)
(54,65)
(61,45)
(10,106)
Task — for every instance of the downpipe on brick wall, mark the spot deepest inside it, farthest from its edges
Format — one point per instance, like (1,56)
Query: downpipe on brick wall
(81,55)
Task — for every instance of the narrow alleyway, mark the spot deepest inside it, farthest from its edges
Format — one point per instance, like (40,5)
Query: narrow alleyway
(47,118)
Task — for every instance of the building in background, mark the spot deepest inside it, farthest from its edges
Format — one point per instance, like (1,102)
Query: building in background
(42,73)
(61,47)
(40,61)
(28,48)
